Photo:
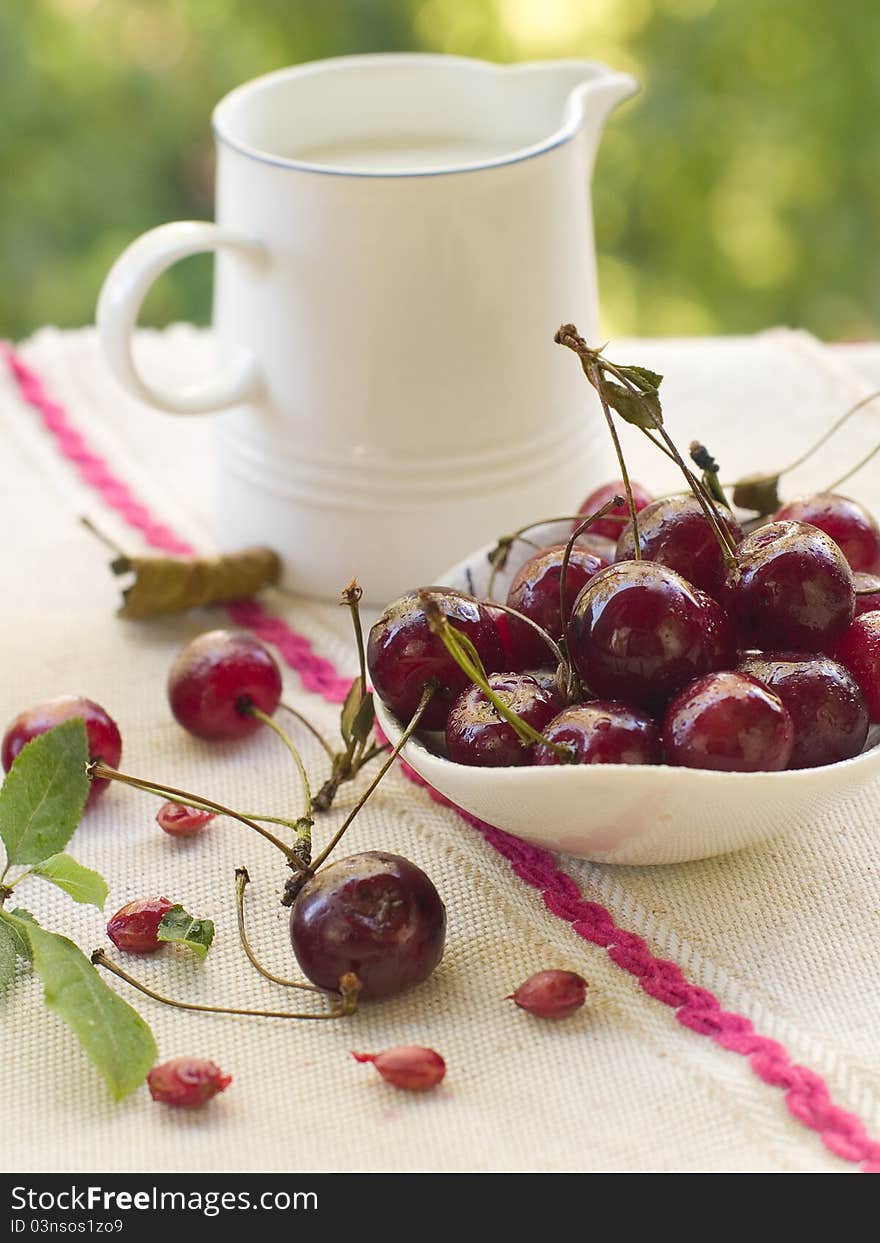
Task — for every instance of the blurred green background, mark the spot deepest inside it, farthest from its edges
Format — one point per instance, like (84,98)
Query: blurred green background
(737,191)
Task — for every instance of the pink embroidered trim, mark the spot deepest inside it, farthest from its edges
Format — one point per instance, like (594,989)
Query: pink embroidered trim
(806,1094)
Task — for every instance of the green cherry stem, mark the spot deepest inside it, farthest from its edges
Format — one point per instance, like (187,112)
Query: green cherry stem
(341,1006)
(826,436)
(499,555)
(304,720)
(461,650)
(596,380)
(242,880)
(304,824)
(412,726)
(96,770)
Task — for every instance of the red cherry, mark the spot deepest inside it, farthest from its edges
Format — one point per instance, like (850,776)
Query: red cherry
(602,732)
(374,914)
(105,741)
(639,633)
(676,532)
(824,701)
(858,650)
(403,654)
(612,524)
(534,592)
(791,588)
(135,926)
(728,722)
(477,733)
(186,1082)
(214,679)
(850,525)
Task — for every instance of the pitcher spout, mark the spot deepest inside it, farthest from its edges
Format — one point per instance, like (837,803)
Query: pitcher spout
(575,96)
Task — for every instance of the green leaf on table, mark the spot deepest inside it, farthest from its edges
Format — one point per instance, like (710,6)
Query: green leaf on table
(9,943)
(80,882)
(45,791)
(179,928)
(113,1035)
(350,710)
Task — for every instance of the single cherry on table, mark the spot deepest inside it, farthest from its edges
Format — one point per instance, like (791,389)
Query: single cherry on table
(216,678)
(105,741)
(374,914)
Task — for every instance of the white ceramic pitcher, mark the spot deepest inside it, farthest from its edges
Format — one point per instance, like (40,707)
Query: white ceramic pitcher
(398,238)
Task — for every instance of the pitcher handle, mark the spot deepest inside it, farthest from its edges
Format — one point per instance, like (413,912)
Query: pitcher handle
(119,304)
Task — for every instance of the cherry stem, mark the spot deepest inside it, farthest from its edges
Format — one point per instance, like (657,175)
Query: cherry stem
(566,557)
(96,770)
(352,597)
(854,469)
(826,436)
(499,555)
(341,1007)
(242,880)
(304,824)
(413,725)
(103,538)
(596,380)
(457,646)
(304,720)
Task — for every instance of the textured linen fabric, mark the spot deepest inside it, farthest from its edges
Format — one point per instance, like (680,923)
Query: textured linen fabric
(784,933)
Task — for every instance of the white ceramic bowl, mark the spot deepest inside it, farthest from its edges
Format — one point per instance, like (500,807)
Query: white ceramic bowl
(619,813)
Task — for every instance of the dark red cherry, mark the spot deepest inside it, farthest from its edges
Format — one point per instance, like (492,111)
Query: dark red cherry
(535,593)
(375,914)
(602,732)
(105,741)
(720,639)
(213,680)
(477,734)
(403,654)
(866,583)
(640,632)
(728,722)
(791,588)
(676,532)
(824,701)
(850,525)
(612,524)
(858,650)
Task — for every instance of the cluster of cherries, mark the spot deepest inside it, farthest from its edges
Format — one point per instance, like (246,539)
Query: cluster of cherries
(689,642)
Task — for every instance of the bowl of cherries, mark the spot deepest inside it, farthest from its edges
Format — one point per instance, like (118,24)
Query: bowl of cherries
(651,680)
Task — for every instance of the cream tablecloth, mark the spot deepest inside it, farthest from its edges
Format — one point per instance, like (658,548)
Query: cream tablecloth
(785,934)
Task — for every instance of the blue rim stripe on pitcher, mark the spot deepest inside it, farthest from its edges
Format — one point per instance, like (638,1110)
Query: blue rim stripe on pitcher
(301,166)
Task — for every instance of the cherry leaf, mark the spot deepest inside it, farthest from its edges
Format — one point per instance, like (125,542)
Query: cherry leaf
(113,1035)
(43,796)
(179,928)
(350,710)
(81,883)
(8,954)
(364,720)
